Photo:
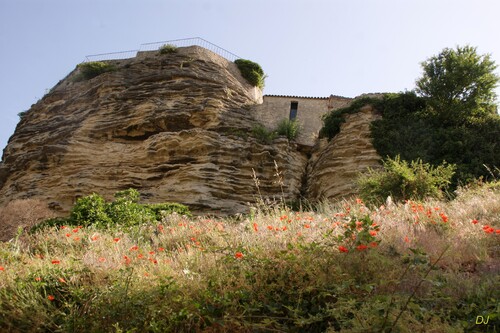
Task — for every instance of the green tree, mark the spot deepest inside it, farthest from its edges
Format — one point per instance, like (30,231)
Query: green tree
(459,85)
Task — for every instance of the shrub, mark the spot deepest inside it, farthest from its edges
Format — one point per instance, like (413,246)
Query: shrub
(90,210)
(252,72)
(262,134)
(402,180)
(89,70)
(168,49)
(124,211)
(289,128)
(160,209)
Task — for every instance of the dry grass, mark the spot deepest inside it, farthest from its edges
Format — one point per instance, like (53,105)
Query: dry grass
(21,214)
(231,271)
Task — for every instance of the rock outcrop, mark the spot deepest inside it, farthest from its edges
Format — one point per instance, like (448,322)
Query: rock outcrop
(335,165)
(176,127)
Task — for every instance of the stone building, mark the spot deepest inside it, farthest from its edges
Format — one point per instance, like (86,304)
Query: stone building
(306,110)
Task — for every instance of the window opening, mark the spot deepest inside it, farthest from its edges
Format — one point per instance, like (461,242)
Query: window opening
(293,110)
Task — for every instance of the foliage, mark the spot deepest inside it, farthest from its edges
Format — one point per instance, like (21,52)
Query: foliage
(344,268)
(89,70)
(252,72)
(262,134)
(124,211)
(408,130)
(90,210)
(403,181)
(288,128)
(459,84)
(168,49)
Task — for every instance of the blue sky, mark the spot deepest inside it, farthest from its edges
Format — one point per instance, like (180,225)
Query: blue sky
(309,47)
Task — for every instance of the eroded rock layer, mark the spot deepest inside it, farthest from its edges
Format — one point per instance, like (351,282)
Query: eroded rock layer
(173,126)
(335,165)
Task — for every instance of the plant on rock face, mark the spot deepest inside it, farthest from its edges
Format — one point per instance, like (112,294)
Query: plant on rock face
(168,49)
(89,70)
(289,128)
(252,72)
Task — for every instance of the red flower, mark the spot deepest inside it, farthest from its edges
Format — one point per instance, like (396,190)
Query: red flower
(238,255)
(443,217)
(56,262)
(373,244)
(116,240)
(307,226)
(255,227)
(343,249)
(51,298)
(161,249)
(270,227)
(101,259)
(361,247)
(475,221)
(62,280)
(127,260)
(284,228)
(2,268)
(134,248)
(38,279)
(407,240)
(373,233)
(359,201)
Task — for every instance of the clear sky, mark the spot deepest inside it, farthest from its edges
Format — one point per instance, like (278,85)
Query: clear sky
(307,47)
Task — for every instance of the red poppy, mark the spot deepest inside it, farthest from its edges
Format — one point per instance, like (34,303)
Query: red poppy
(56,262)
(270,227)
(443,217)
(373,233)
(116,240)
(161,249)
(307,226)
(62,280)
(2,268)
(475,221)
(51,298)
(255,227)
(361,247)
(238,255)
(101,259)
(38,279)
(134,248)
(373,244)
(343,249)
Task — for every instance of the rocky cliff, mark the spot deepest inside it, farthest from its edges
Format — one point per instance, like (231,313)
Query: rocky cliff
(177,127)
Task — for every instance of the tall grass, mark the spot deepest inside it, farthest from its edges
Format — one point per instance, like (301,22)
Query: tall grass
(411,267)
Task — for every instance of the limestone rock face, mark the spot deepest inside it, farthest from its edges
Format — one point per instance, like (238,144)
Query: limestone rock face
(175,127)
(335,165)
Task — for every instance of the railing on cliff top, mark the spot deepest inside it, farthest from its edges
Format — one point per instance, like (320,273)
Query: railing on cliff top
(198,41)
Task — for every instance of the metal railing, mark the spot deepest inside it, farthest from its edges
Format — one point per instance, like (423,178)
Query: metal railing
(198,41)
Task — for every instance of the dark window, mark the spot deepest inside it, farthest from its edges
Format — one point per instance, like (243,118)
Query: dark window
(293,110)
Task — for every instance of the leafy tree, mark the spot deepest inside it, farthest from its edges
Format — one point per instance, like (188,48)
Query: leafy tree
(459,85)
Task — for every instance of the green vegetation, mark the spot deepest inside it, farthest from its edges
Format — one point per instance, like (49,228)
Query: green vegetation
(404,181)
(263,135)
(252,72)
(89,70)
(454,119)
(459,85)
(409,267)
(125,212)
(289,128)
(168,49)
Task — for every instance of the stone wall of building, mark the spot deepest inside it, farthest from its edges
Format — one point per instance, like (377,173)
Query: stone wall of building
(309,112)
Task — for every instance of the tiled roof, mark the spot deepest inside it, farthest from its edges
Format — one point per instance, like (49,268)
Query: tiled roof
(308,97)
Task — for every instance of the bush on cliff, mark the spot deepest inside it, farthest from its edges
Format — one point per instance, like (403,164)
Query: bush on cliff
(252,72)
(289,128)
(89,70)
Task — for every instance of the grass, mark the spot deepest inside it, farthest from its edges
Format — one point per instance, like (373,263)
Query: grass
(411,267)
